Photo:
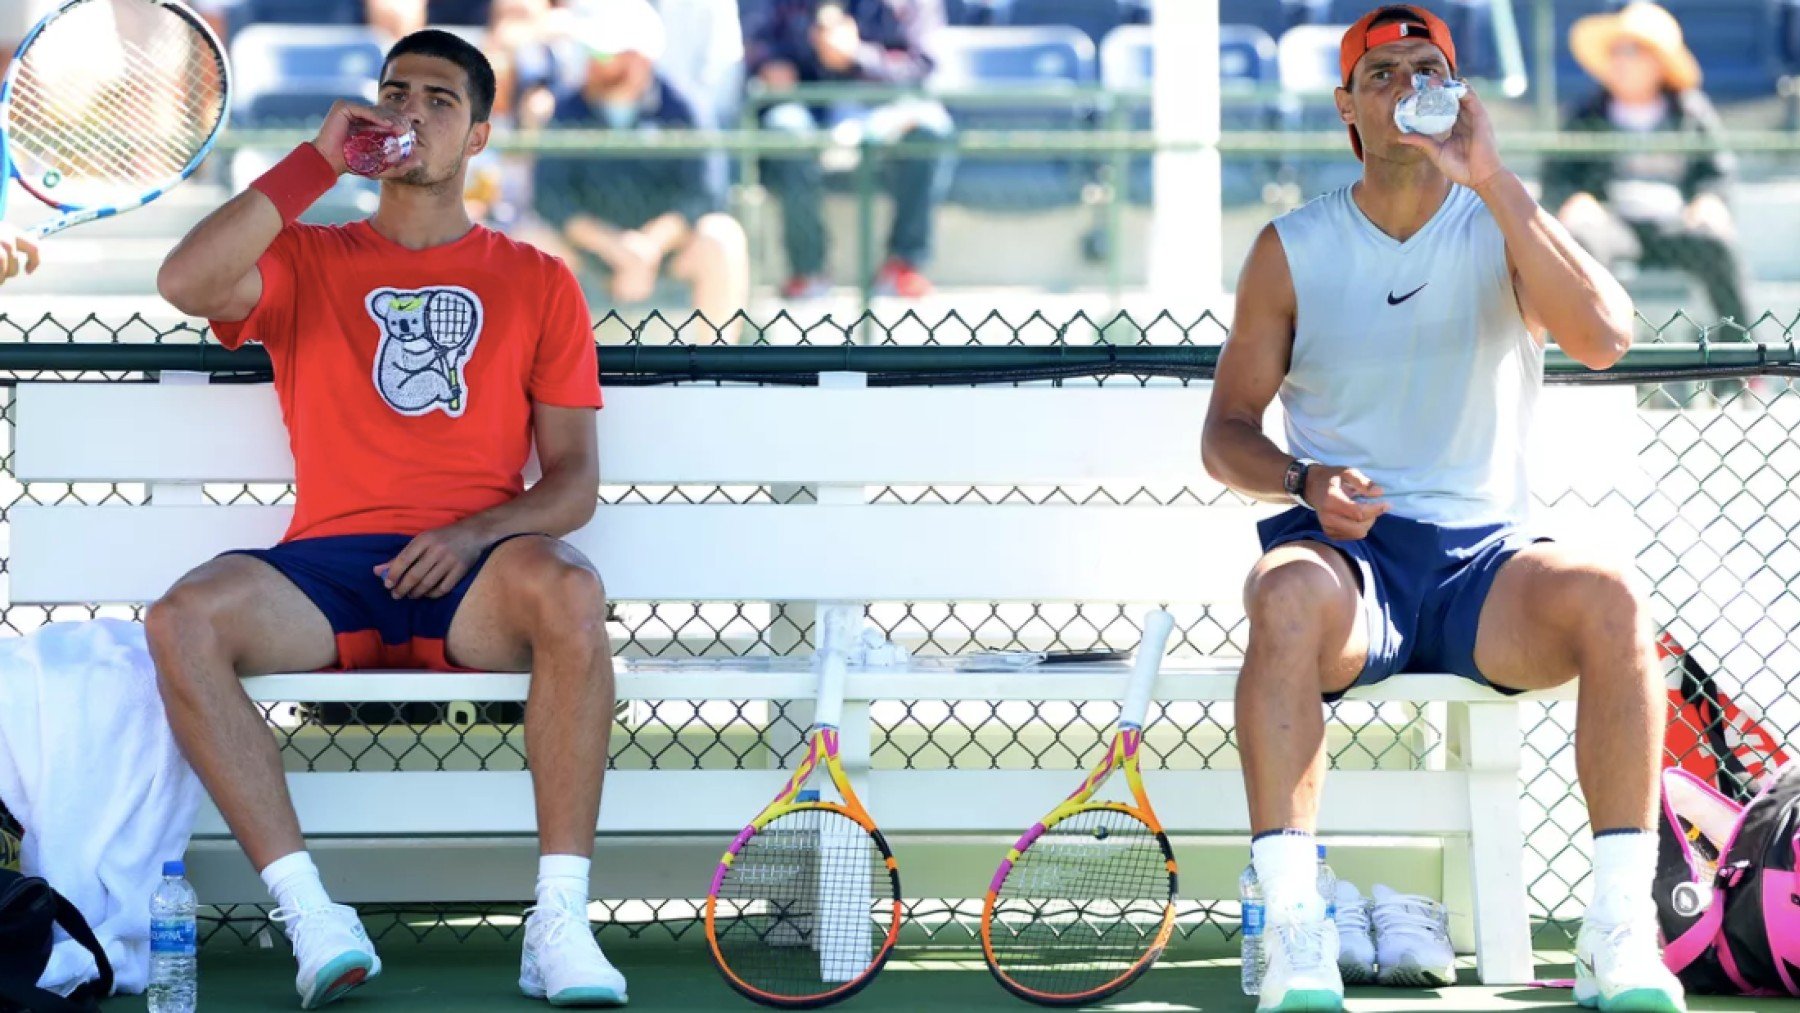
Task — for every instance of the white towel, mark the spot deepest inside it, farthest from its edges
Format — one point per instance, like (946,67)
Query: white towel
(88,764)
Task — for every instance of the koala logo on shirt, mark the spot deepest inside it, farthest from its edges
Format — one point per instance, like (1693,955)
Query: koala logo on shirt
(427,337)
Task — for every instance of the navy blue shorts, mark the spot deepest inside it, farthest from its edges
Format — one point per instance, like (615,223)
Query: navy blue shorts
(373,628)
(1423,586)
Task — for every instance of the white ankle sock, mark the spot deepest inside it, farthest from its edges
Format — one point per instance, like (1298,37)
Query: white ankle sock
(564,878)
(1287,867)
(1624,869)
(293,880)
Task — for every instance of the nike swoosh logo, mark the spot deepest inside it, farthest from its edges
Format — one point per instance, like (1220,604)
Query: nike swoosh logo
(1392,301)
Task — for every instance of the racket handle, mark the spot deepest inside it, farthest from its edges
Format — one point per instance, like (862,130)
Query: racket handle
(835,625)
(1157,626)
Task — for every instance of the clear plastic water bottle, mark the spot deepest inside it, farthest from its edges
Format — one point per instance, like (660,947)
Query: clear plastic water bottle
(1250,901)
(174,968)
(1327,886)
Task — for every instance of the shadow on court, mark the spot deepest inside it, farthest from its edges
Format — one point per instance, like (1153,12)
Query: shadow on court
(451,977)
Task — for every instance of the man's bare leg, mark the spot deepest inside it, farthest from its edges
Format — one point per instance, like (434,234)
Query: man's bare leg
(232,617)
(538,604)
(1306,639)
(1553,613)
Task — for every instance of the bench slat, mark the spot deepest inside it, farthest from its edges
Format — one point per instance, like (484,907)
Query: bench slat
(1185,679)
(669,435)
(667,552)
(720,802)
(723,553)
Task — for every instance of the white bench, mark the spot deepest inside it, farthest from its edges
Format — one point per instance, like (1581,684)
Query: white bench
(404,835)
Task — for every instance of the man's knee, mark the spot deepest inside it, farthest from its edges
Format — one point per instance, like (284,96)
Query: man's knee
(1597,604)
(185,625)
(565,599)
(721,235)
(1295,591)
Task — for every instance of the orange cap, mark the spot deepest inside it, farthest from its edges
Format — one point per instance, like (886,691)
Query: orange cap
(1400,22)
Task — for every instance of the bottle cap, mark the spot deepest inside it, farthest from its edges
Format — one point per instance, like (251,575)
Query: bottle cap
(175,868)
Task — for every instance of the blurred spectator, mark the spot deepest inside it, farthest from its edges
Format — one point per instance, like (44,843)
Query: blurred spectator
(634,213)
(1654,210)
(882,41)
(400,18)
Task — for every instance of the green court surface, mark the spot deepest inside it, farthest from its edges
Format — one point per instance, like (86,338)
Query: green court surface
(452,977)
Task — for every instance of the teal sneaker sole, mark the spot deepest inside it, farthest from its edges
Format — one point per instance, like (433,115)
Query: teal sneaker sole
(339,978)
(1315,1000)
(1642,1000)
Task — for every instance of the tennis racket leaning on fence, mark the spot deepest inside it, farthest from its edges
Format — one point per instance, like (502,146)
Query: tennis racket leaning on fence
(805,905)
(108,104)
(1084,902)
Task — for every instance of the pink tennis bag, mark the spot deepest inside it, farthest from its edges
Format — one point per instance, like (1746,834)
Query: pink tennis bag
(1727,889)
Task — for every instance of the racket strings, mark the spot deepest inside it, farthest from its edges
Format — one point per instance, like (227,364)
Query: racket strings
(128,122)
(806,907)
(1082,905)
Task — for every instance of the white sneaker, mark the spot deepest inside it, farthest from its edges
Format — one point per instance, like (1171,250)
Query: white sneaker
(335,953)
(562,962)
(1619,969)
(1412,941)
(1302,972)
(1356,940)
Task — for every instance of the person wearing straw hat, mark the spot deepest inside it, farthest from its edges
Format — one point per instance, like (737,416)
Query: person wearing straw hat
(1655,210)
(1402,322)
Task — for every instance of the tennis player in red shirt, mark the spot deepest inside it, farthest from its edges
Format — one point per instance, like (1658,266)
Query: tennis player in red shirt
(417,357)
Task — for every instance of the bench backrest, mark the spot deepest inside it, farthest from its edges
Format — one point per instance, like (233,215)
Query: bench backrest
(847,442)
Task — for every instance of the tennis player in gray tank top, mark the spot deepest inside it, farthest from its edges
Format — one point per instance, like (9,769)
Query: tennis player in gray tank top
(1401,321)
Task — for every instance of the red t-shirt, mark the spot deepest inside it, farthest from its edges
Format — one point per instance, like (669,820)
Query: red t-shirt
(407,377)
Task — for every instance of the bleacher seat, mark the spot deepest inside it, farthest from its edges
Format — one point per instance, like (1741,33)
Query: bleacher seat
(297,12)
(1736,44)
(1246,62)
(1309,77)
(1094,18)
(1471,26)
(289,73)
(996,59)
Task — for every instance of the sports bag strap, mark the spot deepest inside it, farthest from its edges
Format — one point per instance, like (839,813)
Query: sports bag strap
(69,917)
(32,999)
(1686,948)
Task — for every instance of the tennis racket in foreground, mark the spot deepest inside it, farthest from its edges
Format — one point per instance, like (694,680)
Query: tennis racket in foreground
(805,905)
(108,104)
(1085,901)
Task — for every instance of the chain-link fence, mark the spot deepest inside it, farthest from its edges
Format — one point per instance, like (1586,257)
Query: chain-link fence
(1718,500)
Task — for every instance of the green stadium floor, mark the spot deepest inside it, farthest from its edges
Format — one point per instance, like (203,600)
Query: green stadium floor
(451,977)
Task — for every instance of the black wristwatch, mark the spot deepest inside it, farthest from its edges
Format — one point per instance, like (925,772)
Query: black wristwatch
(1293,481)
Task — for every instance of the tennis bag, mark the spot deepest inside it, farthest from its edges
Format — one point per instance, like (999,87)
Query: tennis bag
(29,912)
(1727,889)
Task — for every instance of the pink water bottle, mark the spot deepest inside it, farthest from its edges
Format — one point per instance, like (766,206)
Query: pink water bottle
(371,149)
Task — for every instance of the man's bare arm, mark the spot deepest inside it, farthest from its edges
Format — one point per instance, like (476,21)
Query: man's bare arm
(1252,364)
(561,501)
(212,272)
(1560,286)
(565,497)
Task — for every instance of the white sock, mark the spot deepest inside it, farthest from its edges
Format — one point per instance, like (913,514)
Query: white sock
(563,878)
(1624,870)
(293,880)
(1287,867)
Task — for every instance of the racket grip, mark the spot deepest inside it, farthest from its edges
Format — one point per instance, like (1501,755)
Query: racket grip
(1157,627)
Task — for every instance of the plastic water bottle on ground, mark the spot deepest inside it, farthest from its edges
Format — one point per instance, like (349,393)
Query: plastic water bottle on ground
(1327,886)
(174,967)
(1250,901)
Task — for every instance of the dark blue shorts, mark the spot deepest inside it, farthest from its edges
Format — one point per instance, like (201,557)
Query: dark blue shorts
(1423,586)
(373,628)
